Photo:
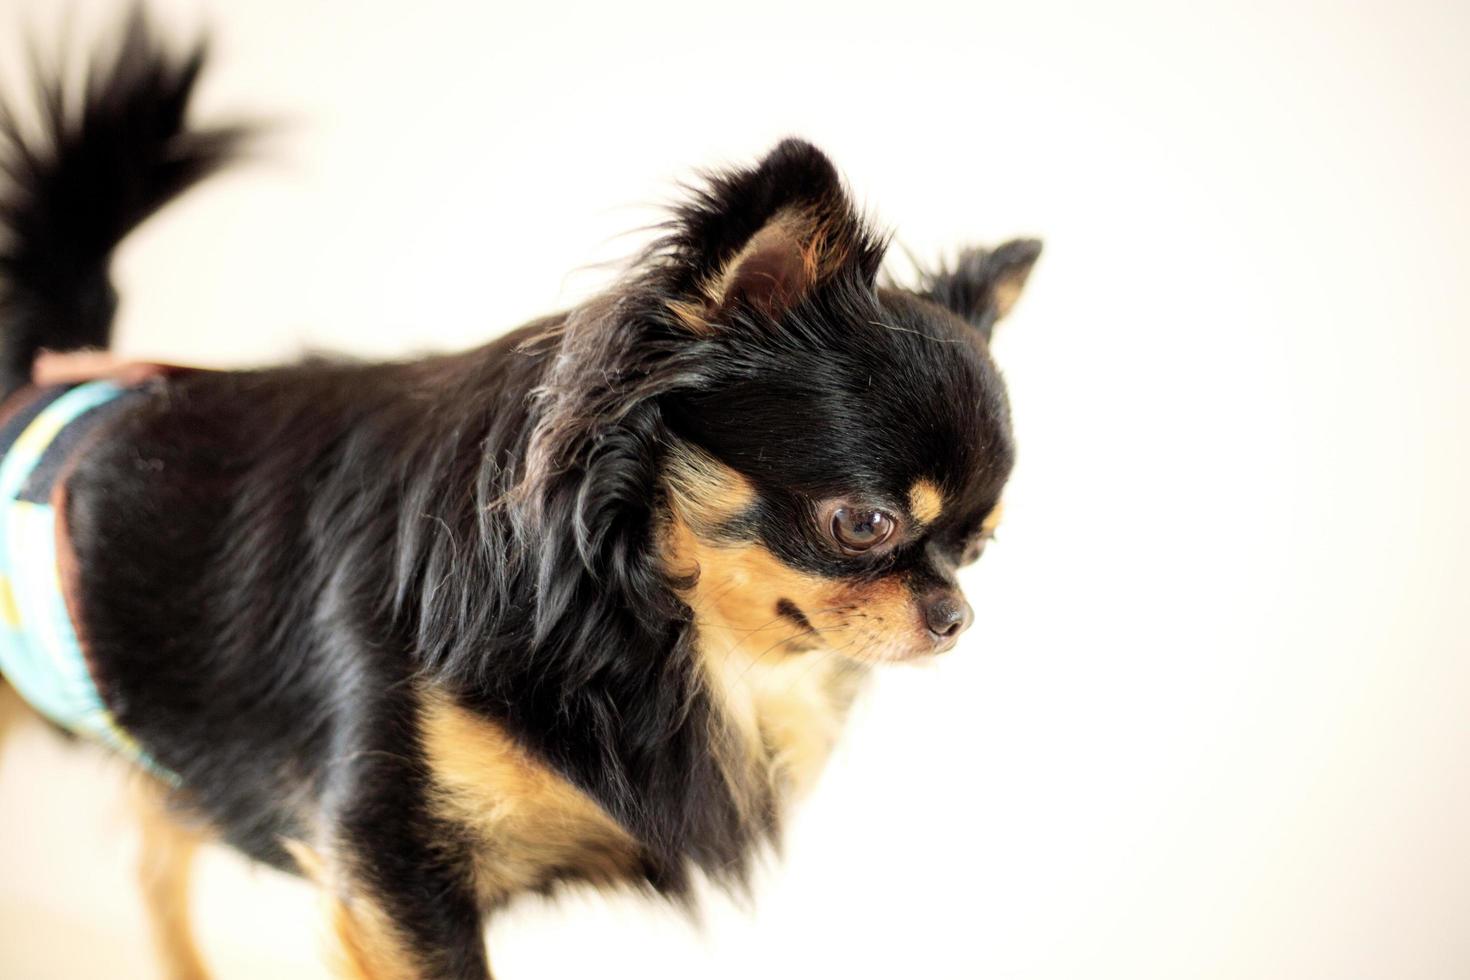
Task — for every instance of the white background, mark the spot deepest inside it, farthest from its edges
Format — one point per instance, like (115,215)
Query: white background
(1212,721)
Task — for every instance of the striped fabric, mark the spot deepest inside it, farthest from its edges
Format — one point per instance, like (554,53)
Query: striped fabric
(40,654)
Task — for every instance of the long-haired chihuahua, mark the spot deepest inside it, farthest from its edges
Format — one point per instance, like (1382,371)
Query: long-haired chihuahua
(585,604)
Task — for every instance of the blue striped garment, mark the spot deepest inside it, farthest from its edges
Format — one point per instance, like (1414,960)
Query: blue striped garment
(40,653)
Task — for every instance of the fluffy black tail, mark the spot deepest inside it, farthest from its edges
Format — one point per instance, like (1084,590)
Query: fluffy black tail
(99,162)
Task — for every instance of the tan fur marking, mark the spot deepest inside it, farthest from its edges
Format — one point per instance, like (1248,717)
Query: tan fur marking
(708,493)
(815,236)
(13,710)
(826,247)
(788,227)
(739,585)
(1007,290)
(925,501)
(694,316)
(367,945)
(992,519)
(530,821)
(800,705)
(166,858)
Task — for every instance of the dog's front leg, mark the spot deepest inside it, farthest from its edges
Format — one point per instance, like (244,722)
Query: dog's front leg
(400,890)
(388,925)
(168,846)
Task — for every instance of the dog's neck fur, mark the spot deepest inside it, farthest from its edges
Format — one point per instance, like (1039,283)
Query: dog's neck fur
(786,709)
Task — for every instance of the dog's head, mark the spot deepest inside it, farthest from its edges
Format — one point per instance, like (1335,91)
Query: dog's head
(815,453)
(848,448)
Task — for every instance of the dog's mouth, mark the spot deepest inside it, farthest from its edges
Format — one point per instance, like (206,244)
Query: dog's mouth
(851,640)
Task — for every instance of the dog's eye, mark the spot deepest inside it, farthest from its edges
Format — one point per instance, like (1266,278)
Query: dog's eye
(976,547)
(857,530)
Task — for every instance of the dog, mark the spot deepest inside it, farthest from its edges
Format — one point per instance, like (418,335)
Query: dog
(586,604)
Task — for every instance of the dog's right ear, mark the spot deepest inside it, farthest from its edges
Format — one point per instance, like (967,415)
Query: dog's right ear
(983,285)
(758,240)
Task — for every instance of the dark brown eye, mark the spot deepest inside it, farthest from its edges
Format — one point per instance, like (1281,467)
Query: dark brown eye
(857,530)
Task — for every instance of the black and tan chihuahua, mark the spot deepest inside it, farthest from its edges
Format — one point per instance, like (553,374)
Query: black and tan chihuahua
(587,603)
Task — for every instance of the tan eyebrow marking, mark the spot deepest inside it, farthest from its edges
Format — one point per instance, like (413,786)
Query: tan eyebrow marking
(925,502)
(992,519)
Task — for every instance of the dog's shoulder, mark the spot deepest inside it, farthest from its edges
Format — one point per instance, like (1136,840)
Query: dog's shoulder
(528,827)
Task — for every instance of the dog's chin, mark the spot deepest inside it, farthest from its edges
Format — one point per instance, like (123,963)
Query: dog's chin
(894,650)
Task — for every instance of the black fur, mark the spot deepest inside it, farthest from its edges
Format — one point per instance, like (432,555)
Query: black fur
(96,168)
(969,286)
(275,564)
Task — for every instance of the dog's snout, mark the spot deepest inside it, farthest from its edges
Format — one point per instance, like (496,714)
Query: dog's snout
(947,615)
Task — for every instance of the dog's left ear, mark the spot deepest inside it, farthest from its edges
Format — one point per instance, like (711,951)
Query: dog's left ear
(983,286)
(759,240)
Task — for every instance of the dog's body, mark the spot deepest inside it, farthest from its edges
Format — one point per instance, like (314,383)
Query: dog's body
(587,603)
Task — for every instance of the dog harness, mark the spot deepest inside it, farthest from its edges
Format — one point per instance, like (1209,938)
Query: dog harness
(42,431)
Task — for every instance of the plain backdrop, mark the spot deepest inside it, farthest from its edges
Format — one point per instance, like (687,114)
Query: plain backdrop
(1212,721)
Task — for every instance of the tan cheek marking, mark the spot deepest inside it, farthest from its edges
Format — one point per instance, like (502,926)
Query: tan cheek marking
(529,819)
(925,501)
(885,612)
(738,587)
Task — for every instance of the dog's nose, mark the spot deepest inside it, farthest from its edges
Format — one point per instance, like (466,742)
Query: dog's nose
(947,615)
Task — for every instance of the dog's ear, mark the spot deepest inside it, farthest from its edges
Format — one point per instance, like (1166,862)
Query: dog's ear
(761,239)
(610,647)
(982,286)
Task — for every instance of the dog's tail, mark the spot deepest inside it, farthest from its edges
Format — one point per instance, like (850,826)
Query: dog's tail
(97,162)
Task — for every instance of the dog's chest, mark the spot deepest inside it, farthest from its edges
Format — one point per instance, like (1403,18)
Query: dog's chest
(786,709)
(530,826)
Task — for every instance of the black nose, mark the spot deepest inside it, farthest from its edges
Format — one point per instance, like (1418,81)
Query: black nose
(947,615)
